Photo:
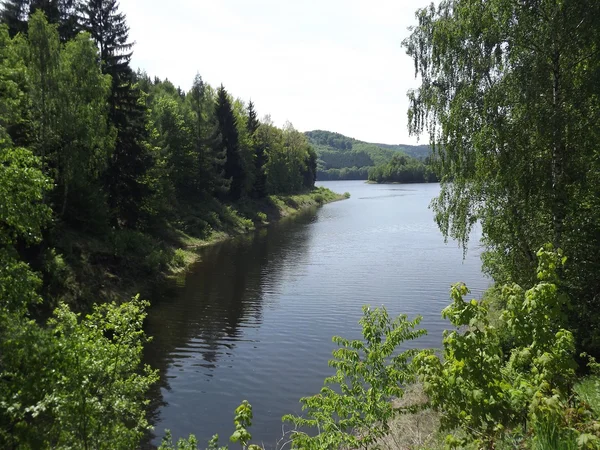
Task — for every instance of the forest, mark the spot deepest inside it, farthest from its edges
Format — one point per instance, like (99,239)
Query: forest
(403,169)
(344,158)
(101,166)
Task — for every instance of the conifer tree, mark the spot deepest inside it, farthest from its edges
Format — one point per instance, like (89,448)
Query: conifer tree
(230,143)
(259,188)
(16,13)
(130,161)
(253,122)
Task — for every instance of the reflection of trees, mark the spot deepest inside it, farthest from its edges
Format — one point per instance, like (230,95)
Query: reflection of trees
(221,295)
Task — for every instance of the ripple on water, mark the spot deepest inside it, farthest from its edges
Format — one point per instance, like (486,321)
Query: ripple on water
(254,319)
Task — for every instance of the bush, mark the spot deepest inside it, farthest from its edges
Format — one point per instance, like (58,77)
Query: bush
(354,407)
(484,392)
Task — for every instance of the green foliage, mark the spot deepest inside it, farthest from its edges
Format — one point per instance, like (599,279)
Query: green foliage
(178,258)
(508,96)
(77,381)
(182,444)
(291,164)
(402,170)
(346,173)
(241,435)
(344,158)
(483,391)
(354,407)
(22,189)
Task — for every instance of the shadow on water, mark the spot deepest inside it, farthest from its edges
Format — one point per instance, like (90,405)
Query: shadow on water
(197,320)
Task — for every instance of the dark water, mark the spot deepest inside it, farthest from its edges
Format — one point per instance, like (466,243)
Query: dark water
(254,319)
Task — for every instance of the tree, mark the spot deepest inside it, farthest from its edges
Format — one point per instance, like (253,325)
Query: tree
(176,141)
(125,175)
(43,60)
(209,152)
(309,174)
(253,122)
(287,167)
(86,137)
(354,408)
(14,114)
(509,95)
(16,13)
(71,132)
(230,143)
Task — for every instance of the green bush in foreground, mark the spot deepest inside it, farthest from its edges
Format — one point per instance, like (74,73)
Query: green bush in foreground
(354,407)
(485,393)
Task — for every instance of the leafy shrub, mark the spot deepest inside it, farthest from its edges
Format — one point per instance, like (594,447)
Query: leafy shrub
(155,261)
(480,390)
(77,383)
(241,435)
(354,407)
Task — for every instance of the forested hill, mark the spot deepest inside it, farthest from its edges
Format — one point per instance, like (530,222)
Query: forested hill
(345,158)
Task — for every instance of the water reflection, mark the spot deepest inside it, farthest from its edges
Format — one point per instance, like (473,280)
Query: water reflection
(198,320)
(254,319)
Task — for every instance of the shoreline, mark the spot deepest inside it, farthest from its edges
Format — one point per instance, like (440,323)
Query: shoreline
(130,277)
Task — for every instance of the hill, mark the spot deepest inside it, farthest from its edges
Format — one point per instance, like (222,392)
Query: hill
(345,158)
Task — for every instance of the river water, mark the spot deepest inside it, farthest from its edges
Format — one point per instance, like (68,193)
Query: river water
(254,319)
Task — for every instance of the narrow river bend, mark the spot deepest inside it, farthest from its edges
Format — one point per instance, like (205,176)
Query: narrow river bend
(254,319)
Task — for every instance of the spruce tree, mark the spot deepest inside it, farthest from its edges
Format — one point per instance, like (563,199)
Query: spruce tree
(16,13)
(130,161)
(259,188)
(253,122)
(234,170)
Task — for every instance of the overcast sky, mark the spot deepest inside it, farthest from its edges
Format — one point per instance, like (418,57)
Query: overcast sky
(334,65)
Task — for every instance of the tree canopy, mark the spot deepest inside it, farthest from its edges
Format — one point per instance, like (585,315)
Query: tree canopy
(509,97)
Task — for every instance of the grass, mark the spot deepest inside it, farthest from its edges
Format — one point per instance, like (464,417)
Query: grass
(588,390)
(414,430)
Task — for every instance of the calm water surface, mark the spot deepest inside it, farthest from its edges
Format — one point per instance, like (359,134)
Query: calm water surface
(254,319)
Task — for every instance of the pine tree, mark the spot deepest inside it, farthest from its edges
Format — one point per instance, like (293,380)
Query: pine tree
(109,29)
(259,188)
(230,143)
(253,122)
(16,13)
(130,161)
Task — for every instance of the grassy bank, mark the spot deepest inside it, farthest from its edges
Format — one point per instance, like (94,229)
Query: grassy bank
(88,268)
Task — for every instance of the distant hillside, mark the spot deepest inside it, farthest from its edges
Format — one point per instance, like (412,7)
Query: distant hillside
(345,158)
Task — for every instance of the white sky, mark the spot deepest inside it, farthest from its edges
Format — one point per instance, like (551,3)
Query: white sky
(335,65)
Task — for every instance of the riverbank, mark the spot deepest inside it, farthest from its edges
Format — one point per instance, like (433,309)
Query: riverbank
(87,269)
(248,216)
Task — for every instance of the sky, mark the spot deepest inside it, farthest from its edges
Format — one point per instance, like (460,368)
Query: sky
(334,65)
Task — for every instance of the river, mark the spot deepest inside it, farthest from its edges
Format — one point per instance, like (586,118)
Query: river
(254,319)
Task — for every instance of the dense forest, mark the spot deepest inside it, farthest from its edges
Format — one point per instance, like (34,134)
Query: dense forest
(403,169)
(100,167)
(344,158)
